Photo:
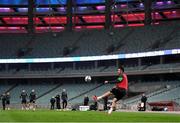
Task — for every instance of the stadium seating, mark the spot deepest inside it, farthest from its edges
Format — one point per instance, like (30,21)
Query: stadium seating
(155,91)
(169,95)
(94,42)
(167,92)
(72,90)
(86,70)
(39,88)
(4,88)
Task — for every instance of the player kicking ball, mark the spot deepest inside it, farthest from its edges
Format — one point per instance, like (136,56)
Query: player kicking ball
(118,91)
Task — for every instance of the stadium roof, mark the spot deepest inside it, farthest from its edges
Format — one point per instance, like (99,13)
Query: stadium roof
(44,2)
(51,14)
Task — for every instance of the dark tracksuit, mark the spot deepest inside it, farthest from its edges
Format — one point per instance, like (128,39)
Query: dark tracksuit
(52,101)
(8,99)
(23,97)
(3,98)
(64,98)
(86,101)
(32,97)
(58,101)
(143,100)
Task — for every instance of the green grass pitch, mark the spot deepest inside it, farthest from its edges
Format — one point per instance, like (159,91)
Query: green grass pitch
(89,116)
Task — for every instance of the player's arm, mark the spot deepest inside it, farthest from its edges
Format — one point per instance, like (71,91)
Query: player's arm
(119,79)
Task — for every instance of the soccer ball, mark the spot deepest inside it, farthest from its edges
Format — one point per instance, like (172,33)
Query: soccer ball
(87,78)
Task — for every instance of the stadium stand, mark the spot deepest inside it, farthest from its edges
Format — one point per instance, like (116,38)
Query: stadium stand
(126,40)
(49,33)
(67,71)
(39,88)
(168,91)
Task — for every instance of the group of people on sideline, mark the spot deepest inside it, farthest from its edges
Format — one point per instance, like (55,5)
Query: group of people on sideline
(56,100)
(25,103)
(5,101)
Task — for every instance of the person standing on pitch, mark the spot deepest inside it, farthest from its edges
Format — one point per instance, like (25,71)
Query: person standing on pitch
(58,102)
(52,101)
(3,98)
(86,100)
(143,102)
(32,100)
(64,98)
(23,98)
(118,91)
(8,101)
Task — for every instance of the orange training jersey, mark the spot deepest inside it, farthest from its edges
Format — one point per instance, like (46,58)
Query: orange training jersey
(123,83)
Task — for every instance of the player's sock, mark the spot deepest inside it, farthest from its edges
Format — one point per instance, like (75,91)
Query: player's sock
(110,110)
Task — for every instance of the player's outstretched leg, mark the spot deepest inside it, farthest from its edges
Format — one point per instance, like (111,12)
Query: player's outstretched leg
(102,96)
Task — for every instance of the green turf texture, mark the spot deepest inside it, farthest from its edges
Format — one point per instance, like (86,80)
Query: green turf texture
(89,116)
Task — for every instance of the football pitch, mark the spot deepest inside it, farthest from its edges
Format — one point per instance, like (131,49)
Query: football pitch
(89,116)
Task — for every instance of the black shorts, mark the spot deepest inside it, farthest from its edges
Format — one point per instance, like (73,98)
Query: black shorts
(8,102)
(119,93)
(32,101)
(23,101)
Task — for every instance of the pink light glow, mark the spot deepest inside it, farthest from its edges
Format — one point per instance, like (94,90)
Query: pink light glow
(123,5)
(5,10)
(169,2)
(156,23)
(119,26)
(159,3)
(174,12)
(100,7)
(78,27)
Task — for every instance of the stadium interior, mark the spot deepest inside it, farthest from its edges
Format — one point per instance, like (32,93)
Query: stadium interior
(45,29)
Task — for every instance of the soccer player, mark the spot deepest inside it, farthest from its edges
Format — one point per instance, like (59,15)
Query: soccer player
(23,98)
(3,98)
(58,102)
(64,98)
(118,91)
(32,98)
(8,101)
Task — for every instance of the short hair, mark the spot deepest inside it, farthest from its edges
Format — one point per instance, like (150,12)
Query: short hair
(122,68)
